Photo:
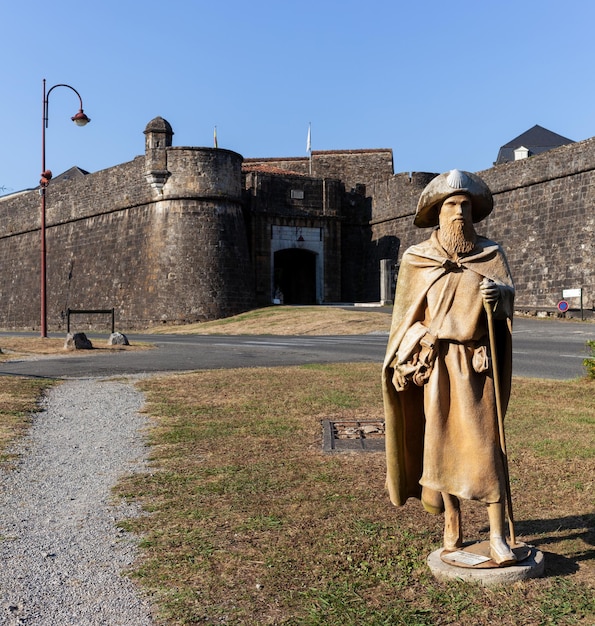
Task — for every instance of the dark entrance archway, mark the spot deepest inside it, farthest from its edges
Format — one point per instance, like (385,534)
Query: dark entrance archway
(295,275)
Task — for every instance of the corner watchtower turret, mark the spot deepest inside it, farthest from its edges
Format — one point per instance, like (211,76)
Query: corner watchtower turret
(158,137)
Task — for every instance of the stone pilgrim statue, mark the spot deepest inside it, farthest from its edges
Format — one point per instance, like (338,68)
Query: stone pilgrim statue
(442,398)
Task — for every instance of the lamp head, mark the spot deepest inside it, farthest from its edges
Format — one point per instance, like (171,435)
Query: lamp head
(80,119)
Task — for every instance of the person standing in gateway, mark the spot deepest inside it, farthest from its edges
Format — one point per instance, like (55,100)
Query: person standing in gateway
(442,436)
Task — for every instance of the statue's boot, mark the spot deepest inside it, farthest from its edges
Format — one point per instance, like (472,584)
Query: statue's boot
(453,534)
(500,551)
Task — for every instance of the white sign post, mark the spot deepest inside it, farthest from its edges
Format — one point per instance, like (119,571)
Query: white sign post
(574,293)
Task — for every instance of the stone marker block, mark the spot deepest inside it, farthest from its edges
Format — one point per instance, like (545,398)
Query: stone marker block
(77,341)
(117,339)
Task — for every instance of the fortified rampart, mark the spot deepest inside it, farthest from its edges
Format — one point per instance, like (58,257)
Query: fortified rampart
(352,167)
(158,244)
(544,217)
(183,234)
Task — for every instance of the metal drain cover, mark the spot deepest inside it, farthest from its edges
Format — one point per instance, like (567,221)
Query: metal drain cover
(352,435)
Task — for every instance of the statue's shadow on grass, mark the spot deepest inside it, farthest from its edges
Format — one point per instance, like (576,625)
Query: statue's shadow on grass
(577,531)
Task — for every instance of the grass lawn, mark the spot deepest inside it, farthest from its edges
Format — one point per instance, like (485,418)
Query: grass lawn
(290,320)
(252,523)
(18,400)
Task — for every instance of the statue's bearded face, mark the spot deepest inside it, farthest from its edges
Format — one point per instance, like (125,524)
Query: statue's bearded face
(456,233)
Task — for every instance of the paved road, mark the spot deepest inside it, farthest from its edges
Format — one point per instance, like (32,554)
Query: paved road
(550,348)
(542,349)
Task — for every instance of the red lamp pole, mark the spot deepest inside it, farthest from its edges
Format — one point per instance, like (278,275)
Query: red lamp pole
(80,119)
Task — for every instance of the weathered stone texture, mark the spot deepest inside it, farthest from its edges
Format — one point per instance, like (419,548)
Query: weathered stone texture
(314,203)
(113,241)
(204,172)
(180,234)
(77,341)
(350,166)
(118,339)
(543,216)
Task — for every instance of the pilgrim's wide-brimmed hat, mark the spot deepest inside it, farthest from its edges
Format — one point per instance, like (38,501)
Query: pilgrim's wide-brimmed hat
(450,184)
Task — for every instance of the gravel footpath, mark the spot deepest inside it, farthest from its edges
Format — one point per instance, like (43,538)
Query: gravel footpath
(61,554)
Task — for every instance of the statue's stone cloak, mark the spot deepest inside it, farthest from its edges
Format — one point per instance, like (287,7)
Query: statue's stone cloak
(460,451)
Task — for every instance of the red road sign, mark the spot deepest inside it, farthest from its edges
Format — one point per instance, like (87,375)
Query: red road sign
(563,306)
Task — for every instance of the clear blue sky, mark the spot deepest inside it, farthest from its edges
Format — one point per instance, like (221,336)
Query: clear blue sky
(444,84)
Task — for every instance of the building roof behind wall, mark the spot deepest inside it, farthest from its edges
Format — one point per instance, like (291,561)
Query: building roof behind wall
(536,140)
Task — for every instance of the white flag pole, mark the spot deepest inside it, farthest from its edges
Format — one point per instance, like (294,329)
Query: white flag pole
(309,146)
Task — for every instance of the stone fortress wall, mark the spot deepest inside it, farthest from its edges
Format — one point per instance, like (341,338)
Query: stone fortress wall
(183,234)
(116,240)
(544,217)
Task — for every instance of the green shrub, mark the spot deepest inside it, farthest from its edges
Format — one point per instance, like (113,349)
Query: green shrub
(589,362)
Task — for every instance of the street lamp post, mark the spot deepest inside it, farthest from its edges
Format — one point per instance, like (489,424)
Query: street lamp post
(80,119)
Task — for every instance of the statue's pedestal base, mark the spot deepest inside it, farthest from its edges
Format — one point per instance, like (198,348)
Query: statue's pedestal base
(472,564)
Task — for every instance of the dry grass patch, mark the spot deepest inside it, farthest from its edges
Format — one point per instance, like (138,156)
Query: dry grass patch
(18,400)
(251,523)
(288,320)
(14,347)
